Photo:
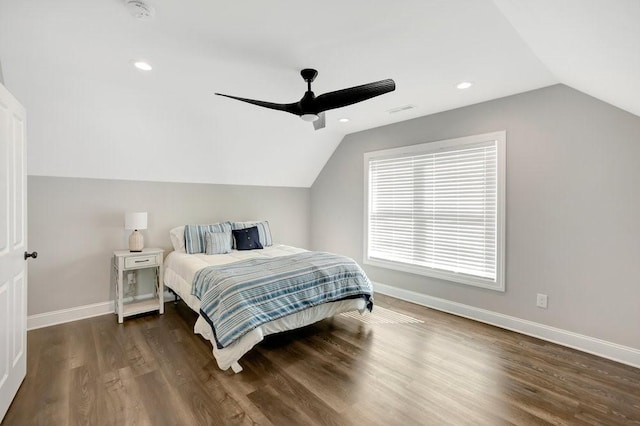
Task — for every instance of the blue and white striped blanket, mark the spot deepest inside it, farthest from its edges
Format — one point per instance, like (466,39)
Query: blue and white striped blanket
(238,297)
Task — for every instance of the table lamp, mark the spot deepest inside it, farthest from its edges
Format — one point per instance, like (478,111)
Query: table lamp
(135,221)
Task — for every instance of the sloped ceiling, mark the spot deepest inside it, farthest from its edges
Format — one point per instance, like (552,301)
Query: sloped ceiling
(590,45)
(91,114)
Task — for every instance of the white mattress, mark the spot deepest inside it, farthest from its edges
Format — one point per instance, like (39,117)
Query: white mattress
(180,269)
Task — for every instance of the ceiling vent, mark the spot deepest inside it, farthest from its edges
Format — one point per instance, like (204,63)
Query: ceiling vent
(140,9)
(400,109)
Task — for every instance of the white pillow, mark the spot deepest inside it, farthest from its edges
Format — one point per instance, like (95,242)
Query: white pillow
(177,239)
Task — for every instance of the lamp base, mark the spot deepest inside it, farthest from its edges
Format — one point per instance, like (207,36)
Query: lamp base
(136,242)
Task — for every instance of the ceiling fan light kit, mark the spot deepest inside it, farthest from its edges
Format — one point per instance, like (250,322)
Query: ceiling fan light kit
(311,107)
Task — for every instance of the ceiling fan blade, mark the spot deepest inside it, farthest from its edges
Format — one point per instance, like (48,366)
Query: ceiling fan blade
(352,95)
(320,122)
(292,108)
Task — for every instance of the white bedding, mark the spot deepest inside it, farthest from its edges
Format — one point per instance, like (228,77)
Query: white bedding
(180,269)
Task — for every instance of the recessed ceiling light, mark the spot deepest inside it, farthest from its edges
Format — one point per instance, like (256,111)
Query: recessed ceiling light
(141,65)
(464,85)
(343,120)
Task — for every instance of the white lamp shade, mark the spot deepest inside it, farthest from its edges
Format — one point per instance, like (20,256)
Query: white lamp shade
(137,220)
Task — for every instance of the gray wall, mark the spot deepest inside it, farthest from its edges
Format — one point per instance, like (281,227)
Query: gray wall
(573,208)
(75,224)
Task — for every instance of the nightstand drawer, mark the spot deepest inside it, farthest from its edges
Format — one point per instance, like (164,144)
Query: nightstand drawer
(137,261)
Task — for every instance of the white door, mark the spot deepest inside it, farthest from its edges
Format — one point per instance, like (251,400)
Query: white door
(13,237)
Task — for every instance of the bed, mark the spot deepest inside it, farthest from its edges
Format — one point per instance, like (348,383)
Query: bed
(183,268)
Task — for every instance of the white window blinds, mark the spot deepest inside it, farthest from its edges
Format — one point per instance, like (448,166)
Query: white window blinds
(435,209)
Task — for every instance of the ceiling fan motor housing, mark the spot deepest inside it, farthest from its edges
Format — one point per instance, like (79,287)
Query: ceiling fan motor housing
(307,104)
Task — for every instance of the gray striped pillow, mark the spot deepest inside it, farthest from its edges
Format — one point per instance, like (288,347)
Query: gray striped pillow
(194,236)
(264,231)
(218,242)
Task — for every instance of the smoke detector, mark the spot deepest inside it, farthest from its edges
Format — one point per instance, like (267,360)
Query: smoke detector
(140,9)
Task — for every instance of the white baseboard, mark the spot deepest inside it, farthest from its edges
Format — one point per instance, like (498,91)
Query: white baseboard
(602,348)
(47,319)
(67,315)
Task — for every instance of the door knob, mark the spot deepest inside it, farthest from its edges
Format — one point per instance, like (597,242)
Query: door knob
(28,255)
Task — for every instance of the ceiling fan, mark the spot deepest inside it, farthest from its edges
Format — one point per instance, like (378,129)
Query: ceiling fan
(312,107)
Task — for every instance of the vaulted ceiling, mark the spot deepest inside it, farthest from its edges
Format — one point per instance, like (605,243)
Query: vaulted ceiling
(92,114)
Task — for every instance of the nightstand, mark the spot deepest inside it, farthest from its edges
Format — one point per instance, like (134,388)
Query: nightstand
(125,261)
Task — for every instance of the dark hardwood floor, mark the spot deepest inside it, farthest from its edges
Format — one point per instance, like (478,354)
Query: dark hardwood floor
(152,370)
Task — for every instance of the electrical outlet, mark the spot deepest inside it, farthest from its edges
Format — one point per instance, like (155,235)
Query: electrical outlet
(541,300)
(131,278)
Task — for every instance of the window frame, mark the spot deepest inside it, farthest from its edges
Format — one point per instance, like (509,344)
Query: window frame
(431,147)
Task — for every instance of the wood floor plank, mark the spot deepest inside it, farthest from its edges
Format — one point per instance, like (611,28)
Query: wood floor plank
(290,392)
(110,345)
(190,390)
(152,370)
(50,404)
(122,402)
(275,408)
(161,400)
(209,404)
(43,390)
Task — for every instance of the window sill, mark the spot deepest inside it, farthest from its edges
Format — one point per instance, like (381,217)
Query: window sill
(440,274)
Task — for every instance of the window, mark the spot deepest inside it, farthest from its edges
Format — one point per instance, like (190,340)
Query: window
(437,209)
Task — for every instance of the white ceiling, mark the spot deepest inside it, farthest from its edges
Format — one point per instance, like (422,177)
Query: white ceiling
(91,114)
